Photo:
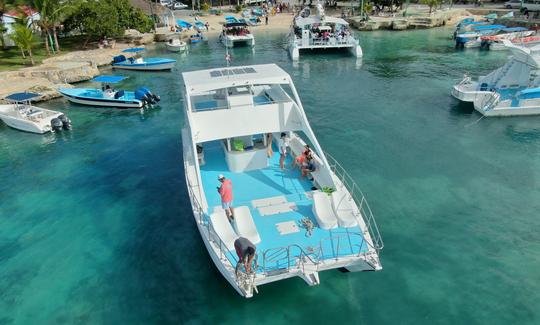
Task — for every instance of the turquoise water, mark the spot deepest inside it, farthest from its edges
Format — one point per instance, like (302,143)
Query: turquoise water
(96,227)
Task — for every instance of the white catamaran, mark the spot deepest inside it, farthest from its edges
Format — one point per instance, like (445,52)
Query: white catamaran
(300,225)
(319,31)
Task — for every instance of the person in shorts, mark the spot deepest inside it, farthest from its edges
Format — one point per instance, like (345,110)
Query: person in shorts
(225,191)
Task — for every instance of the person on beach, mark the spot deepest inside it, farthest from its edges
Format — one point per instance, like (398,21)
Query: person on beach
(283,144)
(245,250)
(266,19)
(207,25)
(225,191)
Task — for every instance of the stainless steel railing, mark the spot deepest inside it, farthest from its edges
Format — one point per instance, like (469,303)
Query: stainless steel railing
(360,200)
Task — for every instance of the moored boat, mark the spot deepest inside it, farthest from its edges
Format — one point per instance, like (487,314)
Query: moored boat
(318,31)
(299,226)
(176,45)
(20,114)
(108,96)
(236,33)
(138,62)
(511,90)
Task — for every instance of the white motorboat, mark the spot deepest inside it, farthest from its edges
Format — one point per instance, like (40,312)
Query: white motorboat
(513,89)
(21,115)
(298,227)
(236,33)
(310,32)
(176,45)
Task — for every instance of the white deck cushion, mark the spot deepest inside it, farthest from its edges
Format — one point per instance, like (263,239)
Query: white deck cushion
(244,225)
(223,228)
(322,208)
(344,210)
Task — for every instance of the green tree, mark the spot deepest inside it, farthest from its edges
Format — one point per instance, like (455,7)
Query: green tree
(431,3)
(23,38)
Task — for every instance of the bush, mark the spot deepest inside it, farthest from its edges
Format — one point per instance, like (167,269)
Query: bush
(205,6)
(239,8)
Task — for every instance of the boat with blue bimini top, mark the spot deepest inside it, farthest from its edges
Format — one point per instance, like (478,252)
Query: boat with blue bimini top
(472,38)
(20,114)
(302,216)
(513,89)
(320,32)
(108,96)
(138,62)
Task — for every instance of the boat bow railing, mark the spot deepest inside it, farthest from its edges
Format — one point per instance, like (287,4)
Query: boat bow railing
(348,182)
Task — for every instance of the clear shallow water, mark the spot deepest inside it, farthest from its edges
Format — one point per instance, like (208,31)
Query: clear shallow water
(96,227)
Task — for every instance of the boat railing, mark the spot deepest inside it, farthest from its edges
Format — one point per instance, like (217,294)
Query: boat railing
(202,219)
(490,100)
(255,105)
(359,198)
(279,260)
(346,245)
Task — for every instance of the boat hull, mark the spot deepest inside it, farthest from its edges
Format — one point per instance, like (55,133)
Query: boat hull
(176,48)
(41,127)
(145,66)
(233,41)
(102,102)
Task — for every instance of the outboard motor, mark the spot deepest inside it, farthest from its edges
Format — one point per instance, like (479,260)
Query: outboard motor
(147,91)
(66,122)
(56,124)
(119,58)
(141,95)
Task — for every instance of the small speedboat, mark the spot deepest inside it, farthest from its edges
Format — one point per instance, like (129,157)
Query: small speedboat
(196,38)
(184,24)
(176,45)
(200,25)
(140,63)
(21,115)
(108,96)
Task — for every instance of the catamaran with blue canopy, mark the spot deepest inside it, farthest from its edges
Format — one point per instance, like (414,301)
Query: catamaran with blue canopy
(108,96)
(301,223)
(138,62)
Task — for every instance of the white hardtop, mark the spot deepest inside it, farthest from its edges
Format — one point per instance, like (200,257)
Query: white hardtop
(302,22)
(212,79)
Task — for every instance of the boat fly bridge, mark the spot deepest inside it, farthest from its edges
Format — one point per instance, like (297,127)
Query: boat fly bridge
(301,224)
(321,32)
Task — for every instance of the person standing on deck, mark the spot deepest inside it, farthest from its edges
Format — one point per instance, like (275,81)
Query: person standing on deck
(245,250)
(225,191)
(283,144)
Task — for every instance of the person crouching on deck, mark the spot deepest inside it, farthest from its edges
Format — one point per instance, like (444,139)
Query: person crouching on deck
(245,250)
(225,191)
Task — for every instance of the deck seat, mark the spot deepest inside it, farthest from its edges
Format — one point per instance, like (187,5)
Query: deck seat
(343,208)
(323,211)
(244,225)
(223,228)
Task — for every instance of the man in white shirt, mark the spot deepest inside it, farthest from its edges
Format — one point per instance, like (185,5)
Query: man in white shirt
(283,144)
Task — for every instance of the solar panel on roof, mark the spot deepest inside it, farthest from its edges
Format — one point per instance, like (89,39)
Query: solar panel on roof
(250,70)
(227,72)
(239,71)
(214,74)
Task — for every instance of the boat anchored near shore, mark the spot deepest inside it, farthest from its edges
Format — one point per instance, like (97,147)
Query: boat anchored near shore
(21,115)
(513,89)
(108,96)
(138,62)
(302,223)
(310,32)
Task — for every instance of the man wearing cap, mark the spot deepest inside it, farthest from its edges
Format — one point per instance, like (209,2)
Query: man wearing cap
(225,190)
(245,251)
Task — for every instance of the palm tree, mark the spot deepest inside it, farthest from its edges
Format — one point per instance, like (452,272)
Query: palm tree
(45,9)
(24,38)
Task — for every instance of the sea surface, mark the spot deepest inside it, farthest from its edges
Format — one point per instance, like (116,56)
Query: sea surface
(96,226)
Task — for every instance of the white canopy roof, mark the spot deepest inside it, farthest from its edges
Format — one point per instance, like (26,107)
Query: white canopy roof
(301,22)
(219,78)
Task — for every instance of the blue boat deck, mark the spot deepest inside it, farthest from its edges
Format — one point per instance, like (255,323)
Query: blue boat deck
(272,182)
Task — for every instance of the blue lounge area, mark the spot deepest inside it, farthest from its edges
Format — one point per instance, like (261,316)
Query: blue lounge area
(272,182)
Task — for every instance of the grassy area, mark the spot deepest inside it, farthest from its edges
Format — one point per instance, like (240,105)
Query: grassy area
(11,58)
